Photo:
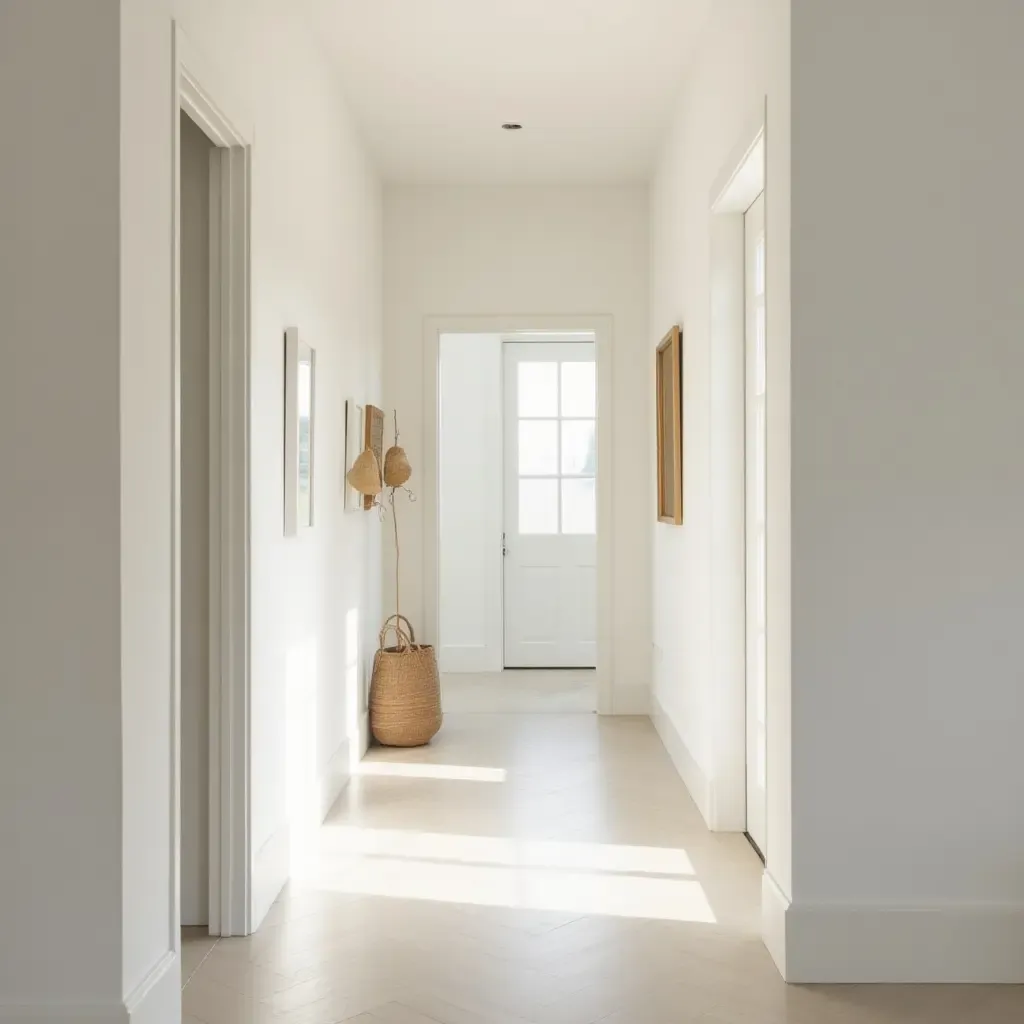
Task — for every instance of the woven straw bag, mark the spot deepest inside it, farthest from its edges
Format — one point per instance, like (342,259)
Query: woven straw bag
(405,691)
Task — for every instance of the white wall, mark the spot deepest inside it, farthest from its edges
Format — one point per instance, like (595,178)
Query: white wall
(86,461)
(908,490)
(60,630)
(316,264)
(470,487)
(741,68)
(896,826)
(195,523)
(507,250)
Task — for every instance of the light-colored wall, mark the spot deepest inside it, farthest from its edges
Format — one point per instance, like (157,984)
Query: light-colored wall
(195,523)
(505,250)
(60,630)
(316,263)
(908,486)
(85,454)
(470,485)
(741,68)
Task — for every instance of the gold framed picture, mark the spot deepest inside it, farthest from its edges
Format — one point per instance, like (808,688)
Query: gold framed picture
(670,427)
(374,438)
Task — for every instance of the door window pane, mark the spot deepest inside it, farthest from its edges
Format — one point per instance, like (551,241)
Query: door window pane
(538,389)
(538,447)
(579,506)
(579,447)
(538,506)
(579,389)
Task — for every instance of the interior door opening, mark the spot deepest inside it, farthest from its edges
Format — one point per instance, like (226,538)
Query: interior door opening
(210,541)
(756,536)
(518,513)
(195,153)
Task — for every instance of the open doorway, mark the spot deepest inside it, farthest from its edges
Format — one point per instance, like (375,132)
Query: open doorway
(756,473)
(739,353)
(196,150)
(211,521)
(519,485)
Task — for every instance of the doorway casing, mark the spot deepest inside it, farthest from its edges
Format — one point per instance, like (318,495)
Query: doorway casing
(738,184)
(197,92)
(600,327)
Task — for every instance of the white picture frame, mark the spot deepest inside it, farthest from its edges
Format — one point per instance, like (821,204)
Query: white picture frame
(299,432)
(355,430)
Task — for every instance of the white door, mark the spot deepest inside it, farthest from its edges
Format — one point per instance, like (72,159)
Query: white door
(757,689)
(550,505)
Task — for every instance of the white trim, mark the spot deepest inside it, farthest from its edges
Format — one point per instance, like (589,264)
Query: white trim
(270,864)
(736,185)
(150,1000)
(291,431)
(199,90)
(155,1000)
(774,908)
(740,181)
(968,943)
(196,93)
(694,778)
(64,1013)
(335,777)
(601,328)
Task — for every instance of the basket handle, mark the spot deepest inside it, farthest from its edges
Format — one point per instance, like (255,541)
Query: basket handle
(405,638)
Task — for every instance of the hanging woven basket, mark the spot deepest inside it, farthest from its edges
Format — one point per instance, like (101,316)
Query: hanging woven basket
(405,691)
(396,467)
(364,476)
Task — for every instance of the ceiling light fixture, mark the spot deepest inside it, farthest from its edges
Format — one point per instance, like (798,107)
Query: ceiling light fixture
(511,126)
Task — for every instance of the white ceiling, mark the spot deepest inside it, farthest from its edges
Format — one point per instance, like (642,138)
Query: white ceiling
(592,81)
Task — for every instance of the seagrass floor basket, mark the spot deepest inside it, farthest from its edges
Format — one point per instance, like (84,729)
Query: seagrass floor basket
(405,690)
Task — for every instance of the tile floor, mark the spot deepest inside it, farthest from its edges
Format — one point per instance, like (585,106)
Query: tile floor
(533,691)
(540,868)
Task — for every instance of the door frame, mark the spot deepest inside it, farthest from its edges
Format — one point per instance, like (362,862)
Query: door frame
(198,92)
(536,327)
(741,179)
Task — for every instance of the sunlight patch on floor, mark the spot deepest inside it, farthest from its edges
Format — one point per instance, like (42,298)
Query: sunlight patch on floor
(583,878)
(506,852)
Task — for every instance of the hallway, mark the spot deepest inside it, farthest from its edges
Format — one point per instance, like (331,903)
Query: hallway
(541,868)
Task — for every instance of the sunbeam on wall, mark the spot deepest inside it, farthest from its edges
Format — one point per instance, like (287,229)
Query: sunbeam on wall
(301,710)
(353,688)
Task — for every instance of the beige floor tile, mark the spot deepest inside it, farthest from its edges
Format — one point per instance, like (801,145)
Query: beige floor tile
(531,691)
(532,868)
(196,945)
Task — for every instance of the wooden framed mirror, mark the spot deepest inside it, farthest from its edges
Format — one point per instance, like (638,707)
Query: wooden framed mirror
(670,427)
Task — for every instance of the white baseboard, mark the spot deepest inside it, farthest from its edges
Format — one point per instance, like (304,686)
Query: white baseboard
(631,700)
(335,778)
(270,870)
(364,735)
(157,998)
(691,773)
(459,659)
(65,1013)
(774,908)
(849,944)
